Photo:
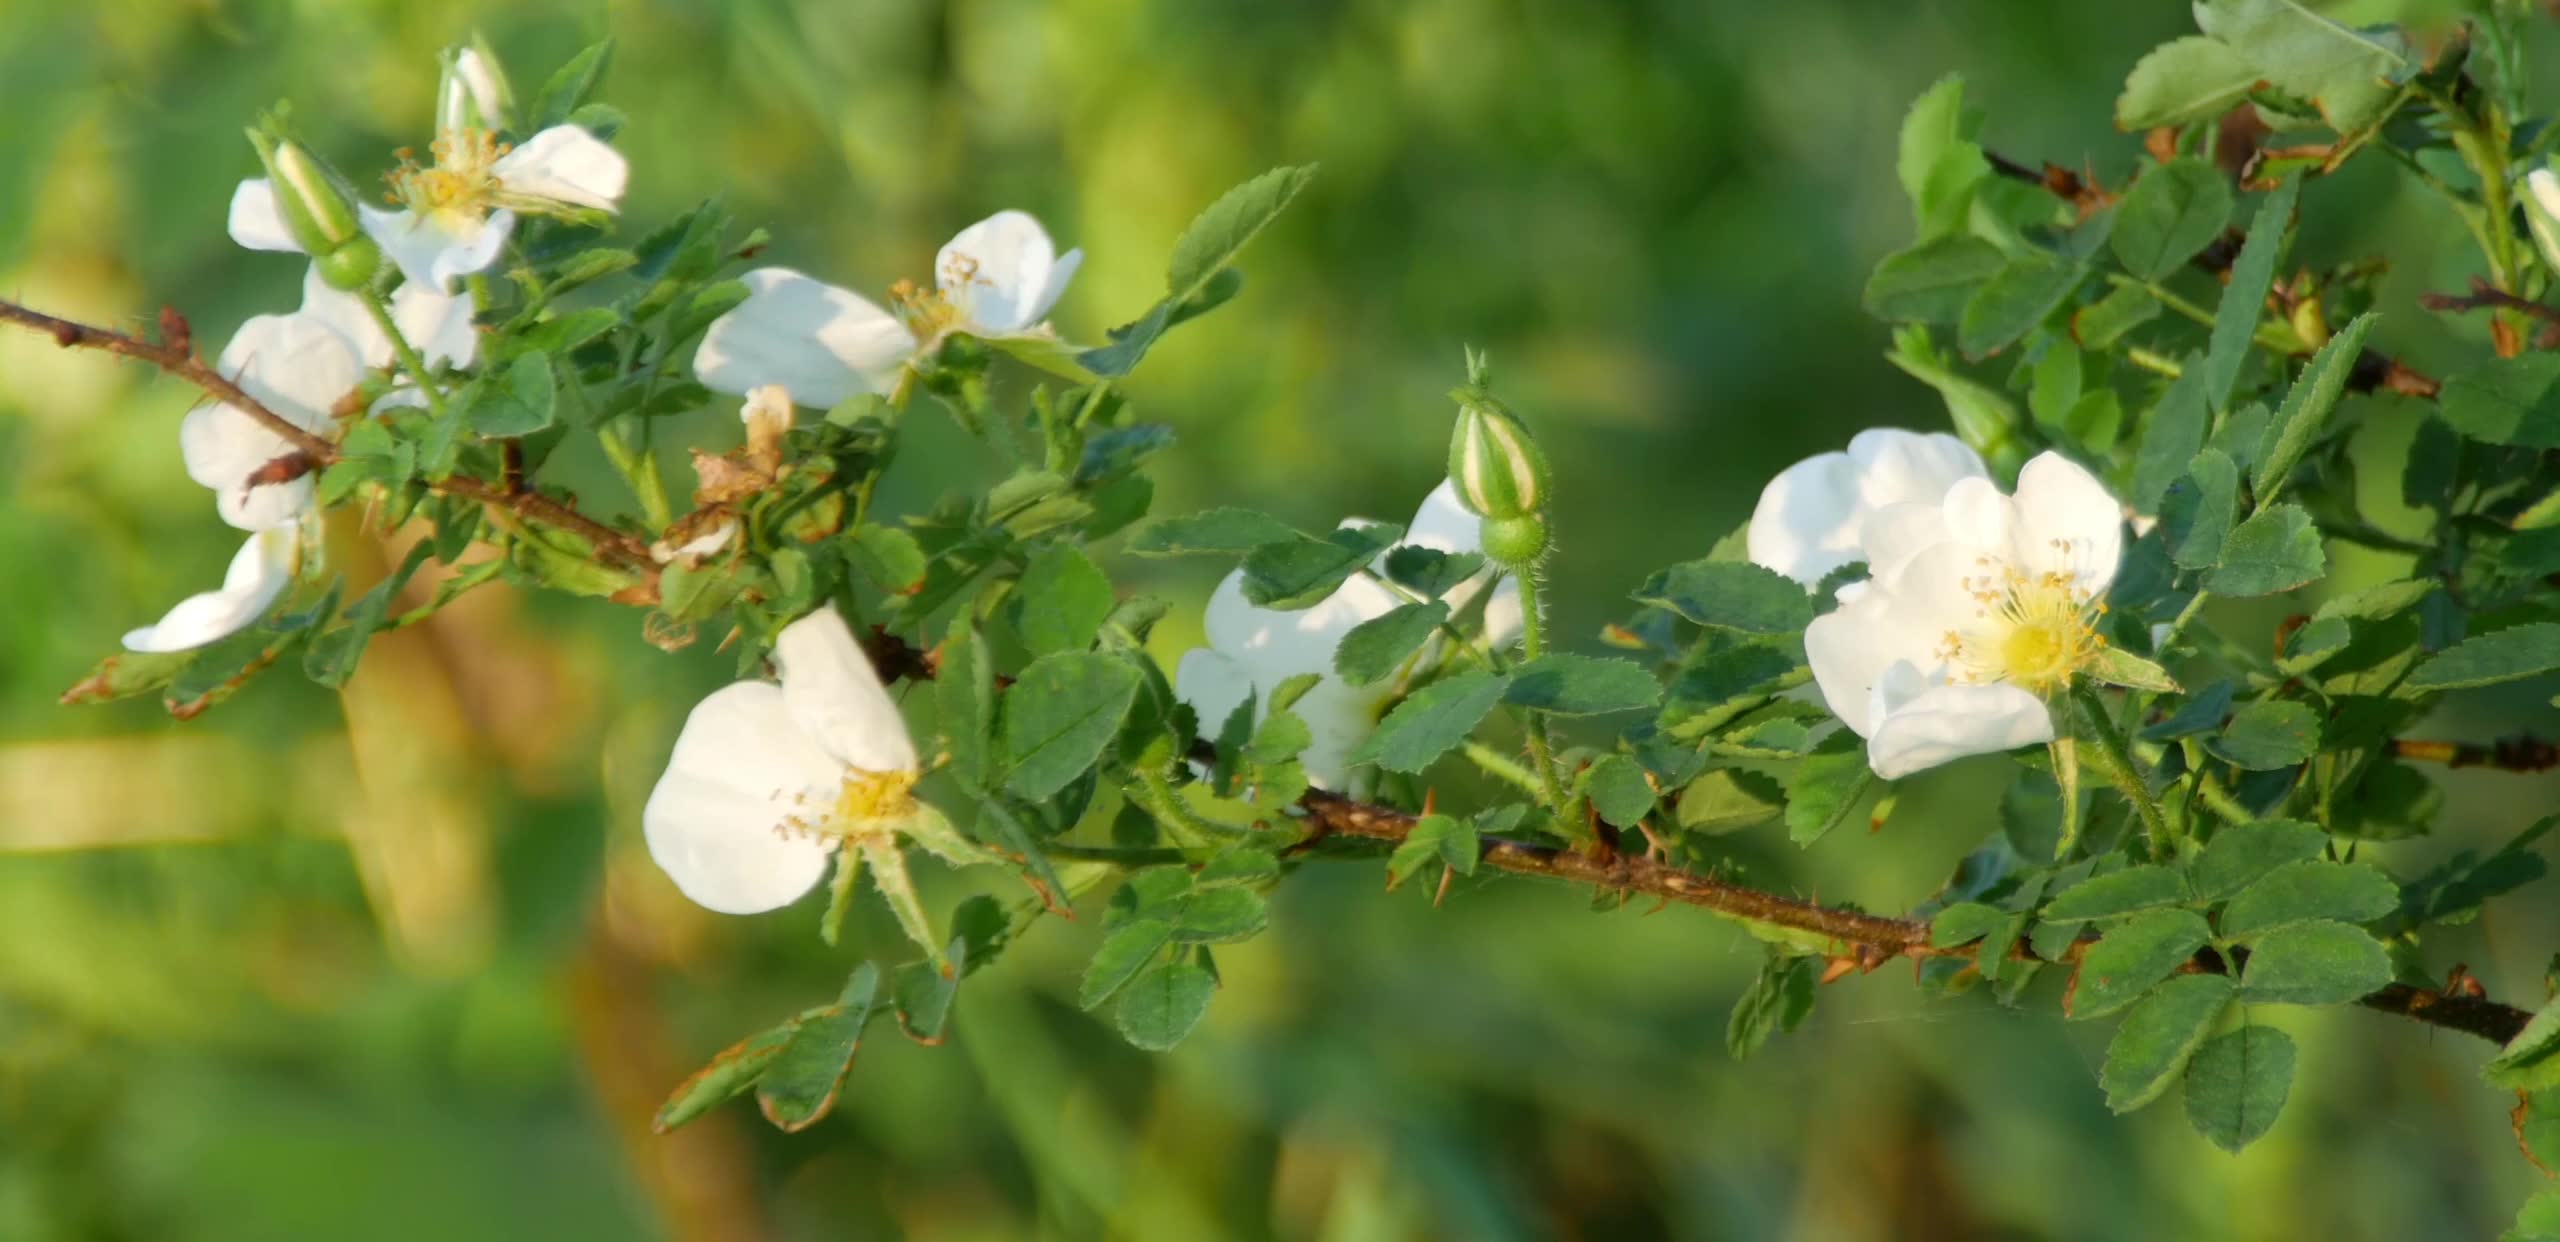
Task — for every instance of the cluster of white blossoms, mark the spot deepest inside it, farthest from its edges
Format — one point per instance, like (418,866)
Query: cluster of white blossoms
(303,365)
(1978,608)
(1252,650)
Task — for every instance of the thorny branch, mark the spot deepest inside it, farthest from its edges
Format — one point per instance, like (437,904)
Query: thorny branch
(174,355)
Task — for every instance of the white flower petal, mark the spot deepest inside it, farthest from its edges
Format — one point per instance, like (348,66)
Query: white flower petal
(1978,516)
(346,314)
(1213,685)
(1063,271)
(1892,535)
(1849,649)
(1339,718)
(477,80)
(1806,522)
(2067,522)
(297,366)
(256,223)
(259,573)
(719,822)
(1949,722)
(823,343)
(565,164)
(1894,466)
(998,271)
(836,696)
(439,248)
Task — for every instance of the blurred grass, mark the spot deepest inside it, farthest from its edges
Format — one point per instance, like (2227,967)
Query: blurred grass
(306,1015)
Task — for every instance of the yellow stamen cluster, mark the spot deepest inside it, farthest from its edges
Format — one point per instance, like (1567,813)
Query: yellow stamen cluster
(460,180)
(866,801)
(926,312)
(2034,630)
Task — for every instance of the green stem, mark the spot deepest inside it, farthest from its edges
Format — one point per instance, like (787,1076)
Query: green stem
(1532,644)
(2116,763)
(1503,767)
(1158,797)
(639,470)
(402,350)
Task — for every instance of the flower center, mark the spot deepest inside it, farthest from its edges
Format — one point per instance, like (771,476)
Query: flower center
(2035,632)
(872,797)
(927,312)
(461,182)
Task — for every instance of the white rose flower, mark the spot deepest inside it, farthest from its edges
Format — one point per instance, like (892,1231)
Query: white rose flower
(1982,609)
(297,366)
(1252,649)
(769,780)
(1808,519)
(259,574)
(998,278)
(437,325)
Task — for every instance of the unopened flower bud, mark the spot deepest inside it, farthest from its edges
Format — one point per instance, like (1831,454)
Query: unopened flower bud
(2542,212)
(1497,468)
(472,93)
(317,210)
(1513,542)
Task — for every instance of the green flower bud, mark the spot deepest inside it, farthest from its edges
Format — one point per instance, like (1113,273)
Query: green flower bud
(1513,542)
(314,207)
(2542,212)
(350,267)
(1497,468)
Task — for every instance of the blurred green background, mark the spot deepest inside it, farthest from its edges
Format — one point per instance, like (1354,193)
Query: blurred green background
(393,966)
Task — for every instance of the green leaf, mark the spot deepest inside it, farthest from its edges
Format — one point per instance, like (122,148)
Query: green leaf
(964,695)
(127,673)
(1729,800)
(2308,404)
(2308,890)
(2235,320)
(1618,790)
(2100,324)
(569,86)
(1938,163)
(2376,603)
(2118,667)
(1058,717)
(2013,302)
(1825,786)
(2277,549)
(332,657)
(735,1069)
(1162,1005)
(1433,721)
(923,991)
(2268,735)
(1581,685)
(2236,1084)
(1374,648)
(1777,1000)
(888,556)
(1237,864)
(1281,737)
(1930,282)
(1221,915)
(2507,402)
(2530,1061)
(1430,571)
(1218,234)
(2171,437)
(2183,80)
(1217,532)
(2350,75)
(2129,959)
(1064,600)
(1123,953)
(1299,572)
(558,336)
(2169,215)
(2197,517)
(1730,595)
(2241,853)
(518,401)
(799,1087)
(2158,1037)
(2119,893)
(2501,655)
(1435,838)
(1966,922)
(2317,963)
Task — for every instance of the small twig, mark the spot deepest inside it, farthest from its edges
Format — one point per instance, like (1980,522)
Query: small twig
(2486,296)
(2522,753)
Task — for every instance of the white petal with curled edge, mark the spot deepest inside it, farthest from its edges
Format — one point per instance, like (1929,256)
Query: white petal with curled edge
(1943,723)
(996,272)
(823,343)
(2067,522)
(222,447)
(259,573)
(256,223)
(836,696)
(298,367)
(1895,533)
(720,822)
(1894,465)
(1063,271)
(1213,685)
(565,164)
(1978,516)
(1849,652)
(1806,522)
(439,248)
(438,324)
